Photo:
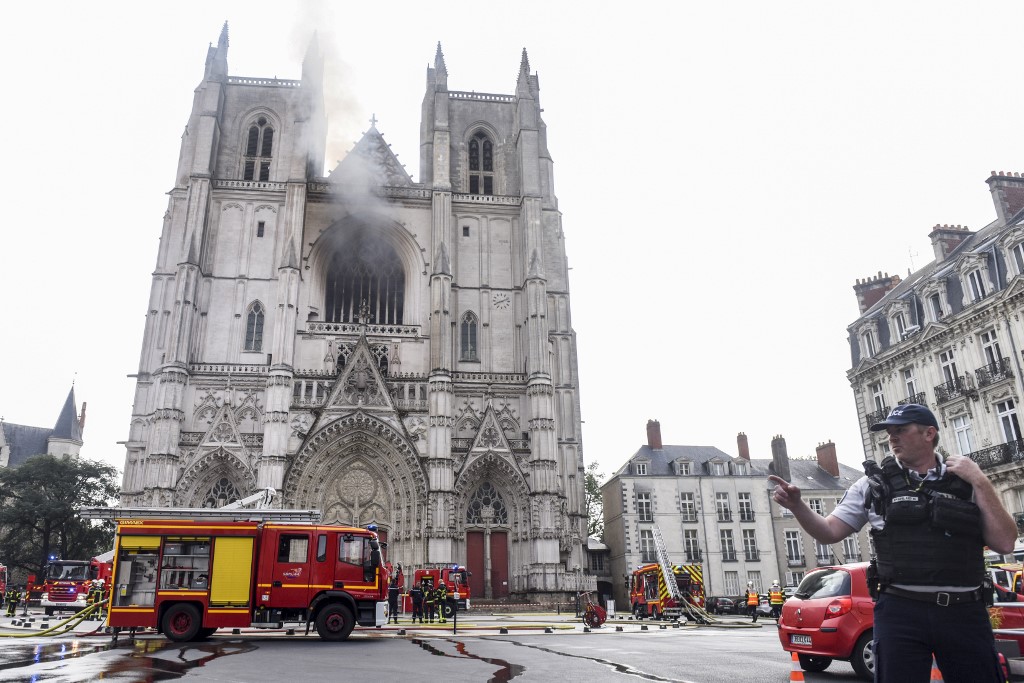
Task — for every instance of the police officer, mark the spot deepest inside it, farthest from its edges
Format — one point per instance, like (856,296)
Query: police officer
(416,595)
(775,599)
(441,598)
(753,600)
(930,521)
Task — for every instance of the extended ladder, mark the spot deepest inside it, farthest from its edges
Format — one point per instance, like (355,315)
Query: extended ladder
(204,514)
(668,580)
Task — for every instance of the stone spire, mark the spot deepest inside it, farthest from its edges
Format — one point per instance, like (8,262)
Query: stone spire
(440,70)
(217,57)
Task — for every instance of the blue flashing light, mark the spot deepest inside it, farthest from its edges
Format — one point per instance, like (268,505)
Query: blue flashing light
(371,527)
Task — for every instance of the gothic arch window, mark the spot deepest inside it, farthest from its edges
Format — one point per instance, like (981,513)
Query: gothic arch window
(254,327)
(220,494)
(486,507)
(481,164)
(259,146)
(365,270)
(467,337)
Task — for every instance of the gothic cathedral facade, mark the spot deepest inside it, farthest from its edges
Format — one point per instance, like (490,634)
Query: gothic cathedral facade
(386,351)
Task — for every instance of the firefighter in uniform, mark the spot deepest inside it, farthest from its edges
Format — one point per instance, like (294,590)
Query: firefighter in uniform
(930,521)
(11,597)
(753,600)
(441,598)
(428,600)
(416,595)
(393,590)
(775,599)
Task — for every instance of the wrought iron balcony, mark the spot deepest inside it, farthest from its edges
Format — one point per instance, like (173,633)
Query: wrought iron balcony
(917,398)
(688,517)
(954,388)
(753,555)
(824,560)
(877,416)
(795,561)
(1004,454)
(746,515)
(728,556)
(993,372)
(694,556)
(724,515)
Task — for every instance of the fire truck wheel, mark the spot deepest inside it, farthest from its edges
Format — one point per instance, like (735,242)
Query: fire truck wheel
(181,622)
(205,633)
(449,609)
(335,622)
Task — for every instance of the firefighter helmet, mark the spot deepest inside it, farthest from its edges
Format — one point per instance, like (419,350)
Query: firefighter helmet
(750,584)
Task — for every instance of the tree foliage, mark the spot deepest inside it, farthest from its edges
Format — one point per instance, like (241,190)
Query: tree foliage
(39,504)
(595,505)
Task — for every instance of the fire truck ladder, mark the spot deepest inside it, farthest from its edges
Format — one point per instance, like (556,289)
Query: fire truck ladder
(204,514)
(668,581)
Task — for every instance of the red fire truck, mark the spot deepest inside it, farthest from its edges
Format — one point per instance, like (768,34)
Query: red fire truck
(650,597)
(455,578)
(66,582)
(188,572)
(3,579)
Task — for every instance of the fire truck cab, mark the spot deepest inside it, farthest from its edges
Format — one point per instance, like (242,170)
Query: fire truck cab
(66,583)
(649,597)
(188,577)
(455,578)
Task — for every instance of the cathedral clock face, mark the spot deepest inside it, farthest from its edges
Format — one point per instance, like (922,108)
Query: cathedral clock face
(501,300)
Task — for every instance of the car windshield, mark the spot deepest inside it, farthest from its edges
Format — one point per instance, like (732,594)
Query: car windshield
(827,583)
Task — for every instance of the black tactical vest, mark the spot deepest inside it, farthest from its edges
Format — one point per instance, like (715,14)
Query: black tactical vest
(932,534)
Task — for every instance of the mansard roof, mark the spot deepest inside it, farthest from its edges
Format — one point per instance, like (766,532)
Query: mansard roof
(660,460)
(371,163)
(810,477)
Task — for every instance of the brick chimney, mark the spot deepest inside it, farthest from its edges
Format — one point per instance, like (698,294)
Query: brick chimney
(780,458)
(741,444)
(946,238)
(871,290)
(1007,193)
(827,459)
(654,434)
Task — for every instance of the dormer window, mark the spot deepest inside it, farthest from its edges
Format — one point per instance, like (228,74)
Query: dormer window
(718,469)
(1017,257)
(258,151)
(739,468)
(976,285)
(935,307)
(973,271)
(683,468)
(481,164)
(640,468)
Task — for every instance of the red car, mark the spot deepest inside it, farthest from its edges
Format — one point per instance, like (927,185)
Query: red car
(831,617)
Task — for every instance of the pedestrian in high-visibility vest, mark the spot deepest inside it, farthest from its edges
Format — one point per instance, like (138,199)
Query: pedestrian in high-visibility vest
(775,599)
(441,598)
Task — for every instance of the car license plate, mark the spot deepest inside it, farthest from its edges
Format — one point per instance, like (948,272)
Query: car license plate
(799,639)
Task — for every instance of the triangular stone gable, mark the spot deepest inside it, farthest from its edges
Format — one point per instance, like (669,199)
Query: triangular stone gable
(371,163)
(223,433)
(360,384)
(490,436)
(933,329)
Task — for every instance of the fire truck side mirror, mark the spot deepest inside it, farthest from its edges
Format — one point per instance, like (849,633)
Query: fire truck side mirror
(375,558)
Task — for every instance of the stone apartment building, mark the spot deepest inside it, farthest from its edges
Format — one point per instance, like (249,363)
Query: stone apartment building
(387,351)
(714,509)
(951,336)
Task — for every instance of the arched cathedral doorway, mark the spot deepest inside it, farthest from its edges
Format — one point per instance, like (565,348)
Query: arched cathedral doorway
(487,543)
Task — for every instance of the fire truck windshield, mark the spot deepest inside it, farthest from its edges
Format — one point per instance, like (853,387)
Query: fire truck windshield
(67,572)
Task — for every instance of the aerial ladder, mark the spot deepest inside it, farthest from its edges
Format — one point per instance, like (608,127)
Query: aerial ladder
(670,588)
(254,508)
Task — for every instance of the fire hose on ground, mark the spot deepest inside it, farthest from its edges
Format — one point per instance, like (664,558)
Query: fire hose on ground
(62,627)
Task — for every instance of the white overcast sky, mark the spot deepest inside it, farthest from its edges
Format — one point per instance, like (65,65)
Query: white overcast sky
(726,171)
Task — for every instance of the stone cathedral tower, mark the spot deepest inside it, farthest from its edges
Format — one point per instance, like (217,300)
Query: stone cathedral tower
(383,350)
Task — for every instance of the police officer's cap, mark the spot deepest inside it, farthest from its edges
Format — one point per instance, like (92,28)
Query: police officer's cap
(910,413)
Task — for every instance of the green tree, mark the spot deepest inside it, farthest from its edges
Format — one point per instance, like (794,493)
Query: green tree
(595,505)
(39,504)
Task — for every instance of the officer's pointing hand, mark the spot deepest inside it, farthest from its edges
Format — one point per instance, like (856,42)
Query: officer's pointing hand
(785,494)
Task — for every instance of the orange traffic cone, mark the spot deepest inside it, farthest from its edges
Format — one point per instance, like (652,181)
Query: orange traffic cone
(797,674)
(936,674)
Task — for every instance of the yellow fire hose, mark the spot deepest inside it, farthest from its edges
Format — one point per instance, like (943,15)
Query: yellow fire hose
(66,625)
